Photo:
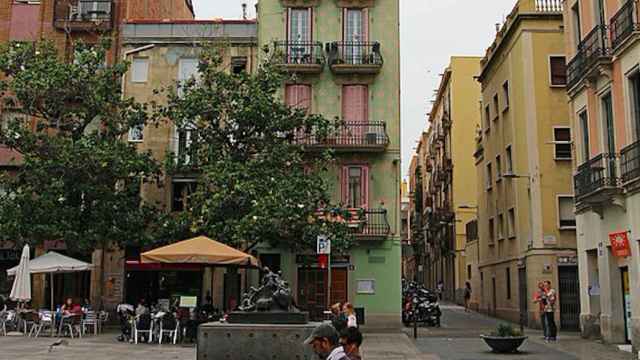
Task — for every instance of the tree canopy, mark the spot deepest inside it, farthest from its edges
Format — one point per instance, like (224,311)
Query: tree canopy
(255,182)
(79,181)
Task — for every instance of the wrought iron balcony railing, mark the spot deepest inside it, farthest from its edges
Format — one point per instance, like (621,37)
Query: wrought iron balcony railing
(354,56)
(623,23)
(300,53)
(350,136)
(592,49)
(363,223)
(630,162)
(83,14)
(597,174)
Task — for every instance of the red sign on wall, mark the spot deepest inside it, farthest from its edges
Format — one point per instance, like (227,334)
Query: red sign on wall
(323,261)
(620,244)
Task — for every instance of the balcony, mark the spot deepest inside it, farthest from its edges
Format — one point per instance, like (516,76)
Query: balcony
(597,179)
(355,57)
(83,15)
(365,224)
(630,163)
(350,136)
(300,57)
(623,24)
(593,56)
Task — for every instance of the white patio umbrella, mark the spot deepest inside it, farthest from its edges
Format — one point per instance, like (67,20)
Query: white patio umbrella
(52,263)
(21,290)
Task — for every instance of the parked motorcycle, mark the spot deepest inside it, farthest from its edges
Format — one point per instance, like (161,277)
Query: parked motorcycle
(421,304)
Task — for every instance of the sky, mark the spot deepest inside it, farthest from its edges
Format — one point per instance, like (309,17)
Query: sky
(431,31)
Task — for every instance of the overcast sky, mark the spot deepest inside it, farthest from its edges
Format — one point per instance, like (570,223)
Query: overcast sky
(431,31)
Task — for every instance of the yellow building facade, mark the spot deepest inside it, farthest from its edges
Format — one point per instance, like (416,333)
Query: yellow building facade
(449,176)
(526,225)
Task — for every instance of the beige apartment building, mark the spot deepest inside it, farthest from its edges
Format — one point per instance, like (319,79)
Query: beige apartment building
(603,46)
(526,224)
(449,176)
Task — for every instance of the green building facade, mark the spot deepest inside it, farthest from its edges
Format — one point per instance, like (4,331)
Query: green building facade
(345,57)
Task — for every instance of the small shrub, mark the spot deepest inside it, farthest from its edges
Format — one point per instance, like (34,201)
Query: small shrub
(506,330)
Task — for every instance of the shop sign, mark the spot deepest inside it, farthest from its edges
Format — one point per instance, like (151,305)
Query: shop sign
(55,245)
(9,255)
(620,244)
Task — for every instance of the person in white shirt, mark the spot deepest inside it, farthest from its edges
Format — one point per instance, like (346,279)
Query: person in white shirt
(350,313)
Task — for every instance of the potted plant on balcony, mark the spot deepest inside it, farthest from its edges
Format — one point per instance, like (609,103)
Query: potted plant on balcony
(505,339)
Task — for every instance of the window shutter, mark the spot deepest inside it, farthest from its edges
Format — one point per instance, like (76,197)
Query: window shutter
(558,70)
(345,185)
(365,187)
(365,25)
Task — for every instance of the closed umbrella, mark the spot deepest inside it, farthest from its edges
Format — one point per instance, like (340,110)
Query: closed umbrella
(21,290)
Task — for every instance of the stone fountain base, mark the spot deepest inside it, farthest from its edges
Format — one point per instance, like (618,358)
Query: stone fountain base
(240,317)
(221,341)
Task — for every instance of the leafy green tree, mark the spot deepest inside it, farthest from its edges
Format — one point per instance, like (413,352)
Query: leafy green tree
(79,180)
(255,181)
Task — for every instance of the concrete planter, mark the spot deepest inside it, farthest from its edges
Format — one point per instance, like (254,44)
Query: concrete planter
(504,345)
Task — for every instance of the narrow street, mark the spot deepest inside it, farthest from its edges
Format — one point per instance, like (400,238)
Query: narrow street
(458,339)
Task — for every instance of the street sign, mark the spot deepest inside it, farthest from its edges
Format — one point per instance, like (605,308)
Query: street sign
(323,245)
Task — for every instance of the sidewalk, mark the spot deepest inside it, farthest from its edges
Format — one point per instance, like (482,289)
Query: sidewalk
(459,339)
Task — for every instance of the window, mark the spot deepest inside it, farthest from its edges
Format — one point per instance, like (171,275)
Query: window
(139,70)
(355,105)
(558,70)
(505,95)
(634,82)
(508,279)
(584,130)
(181,190)
(500,227)
(136,133)
(469,272)
(299,25)
(238,64)
(509,160)
(355,25)
(487,116)
(498,168)
(187,69)
(566,215)
(298,96)
(607,115)
(512,223)
(577,31)
(492,234)
(183,140)
(562,141)
(600,17)
(355,186)
(489,175)
(496,107)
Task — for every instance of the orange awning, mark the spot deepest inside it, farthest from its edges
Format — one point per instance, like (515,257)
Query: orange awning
(199,250)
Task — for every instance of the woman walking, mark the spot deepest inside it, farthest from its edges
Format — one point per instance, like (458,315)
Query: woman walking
(467,296)
(550,311)
(350,313)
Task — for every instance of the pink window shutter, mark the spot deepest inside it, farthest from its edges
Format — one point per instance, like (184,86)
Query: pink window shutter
(304,97)
(365,187)
(365,25)
(310,33)
(354,103)
(345,185)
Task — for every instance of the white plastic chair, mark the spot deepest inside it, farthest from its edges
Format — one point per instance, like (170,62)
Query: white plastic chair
(90,319)
(103,318)
(137,331)
(45,320)
(169,325)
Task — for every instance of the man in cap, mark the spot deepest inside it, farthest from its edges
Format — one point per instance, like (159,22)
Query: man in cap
(324,340)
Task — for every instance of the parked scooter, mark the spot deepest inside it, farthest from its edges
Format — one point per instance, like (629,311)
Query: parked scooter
(420,304)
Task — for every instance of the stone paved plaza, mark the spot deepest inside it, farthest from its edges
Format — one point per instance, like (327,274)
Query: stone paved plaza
(457,339)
